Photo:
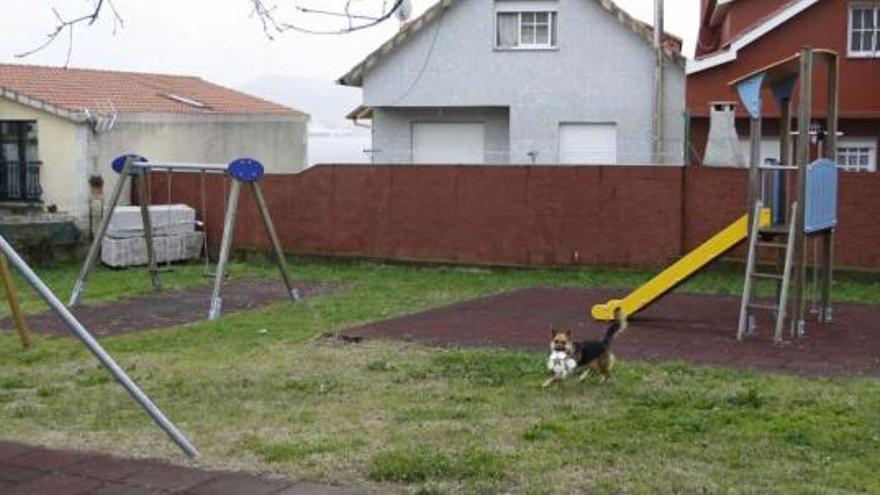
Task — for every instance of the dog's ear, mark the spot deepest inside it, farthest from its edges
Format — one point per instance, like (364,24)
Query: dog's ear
(568,333)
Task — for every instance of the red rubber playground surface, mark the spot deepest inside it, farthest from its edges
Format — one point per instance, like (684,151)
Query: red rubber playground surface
(696,328)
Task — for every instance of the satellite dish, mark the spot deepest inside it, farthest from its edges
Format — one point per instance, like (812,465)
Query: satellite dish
(404,11)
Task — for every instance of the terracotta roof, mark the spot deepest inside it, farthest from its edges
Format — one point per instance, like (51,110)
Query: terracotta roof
(76,90)
(355,77)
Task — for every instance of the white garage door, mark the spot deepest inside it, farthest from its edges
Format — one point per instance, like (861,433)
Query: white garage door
(588,143)
(435,142)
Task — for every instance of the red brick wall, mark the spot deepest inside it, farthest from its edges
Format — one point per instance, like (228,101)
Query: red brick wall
(518,215)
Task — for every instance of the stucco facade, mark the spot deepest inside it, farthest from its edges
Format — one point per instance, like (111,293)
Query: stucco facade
(63,151)
(71,152)
(599,72)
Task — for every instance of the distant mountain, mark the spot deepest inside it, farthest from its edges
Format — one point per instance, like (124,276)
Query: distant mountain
(332,138)
(325,101)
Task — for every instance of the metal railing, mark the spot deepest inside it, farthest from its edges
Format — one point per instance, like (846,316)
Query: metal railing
(20,181)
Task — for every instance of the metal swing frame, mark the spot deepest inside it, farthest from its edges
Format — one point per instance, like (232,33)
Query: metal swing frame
(134,169)
(97,350)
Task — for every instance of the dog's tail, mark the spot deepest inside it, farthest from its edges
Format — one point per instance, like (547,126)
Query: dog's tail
(615,328)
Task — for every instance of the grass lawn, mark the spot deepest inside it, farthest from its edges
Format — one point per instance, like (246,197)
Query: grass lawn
(257,391)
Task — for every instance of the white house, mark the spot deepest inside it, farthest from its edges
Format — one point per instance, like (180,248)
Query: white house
(522,81)
(60,128)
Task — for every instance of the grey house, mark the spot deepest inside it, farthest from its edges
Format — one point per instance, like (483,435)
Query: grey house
(521,81)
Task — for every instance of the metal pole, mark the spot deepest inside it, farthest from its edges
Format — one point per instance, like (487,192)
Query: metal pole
(273,236)
(144,200)
(745,319)
(95,348)
(803,158)
(79,286)
(754,167)
(24,333)
(782,297)
(825,313)
(183,166)
(659,84)
(225,246)
(781,186)
(833,107)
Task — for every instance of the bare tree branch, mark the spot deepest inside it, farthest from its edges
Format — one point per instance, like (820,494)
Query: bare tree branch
(272,25)
(69,24)
(267,15)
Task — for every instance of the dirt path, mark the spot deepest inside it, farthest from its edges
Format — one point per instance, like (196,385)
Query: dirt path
(168,308)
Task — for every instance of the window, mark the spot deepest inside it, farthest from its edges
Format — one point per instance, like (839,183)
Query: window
(864,29)
(857,155)
(19,161)
(526,30)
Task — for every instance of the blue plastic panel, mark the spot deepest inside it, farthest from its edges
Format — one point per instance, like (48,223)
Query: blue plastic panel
(119,161)
(750,94)
(245,170)
(783,89)
(821,200)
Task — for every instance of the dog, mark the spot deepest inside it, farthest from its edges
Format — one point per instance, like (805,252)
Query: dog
(589,355)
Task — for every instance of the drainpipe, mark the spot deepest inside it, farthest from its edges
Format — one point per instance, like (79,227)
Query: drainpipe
(657,129)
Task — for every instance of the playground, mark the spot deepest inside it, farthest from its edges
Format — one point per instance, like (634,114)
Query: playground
(687,327)
(261,391)
(317,371)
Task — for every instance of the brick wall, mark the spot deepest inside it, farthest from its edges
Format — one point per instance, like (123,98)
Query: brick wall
(516,215)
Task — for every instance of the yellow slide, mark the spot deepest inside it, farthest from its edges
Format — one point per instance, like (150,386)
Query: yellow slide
(679,271)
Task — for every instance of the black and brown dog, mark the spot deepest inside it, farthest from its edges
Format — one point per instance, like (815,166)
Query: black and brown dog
(590,355)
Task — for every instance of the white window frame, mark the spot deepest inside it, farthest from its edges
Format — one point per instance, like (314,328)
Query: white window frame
(552,27)
(848,146)
(851,8)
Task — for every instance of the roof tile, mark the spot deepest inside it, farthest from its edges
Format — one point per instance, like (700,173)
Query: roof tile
(130,92)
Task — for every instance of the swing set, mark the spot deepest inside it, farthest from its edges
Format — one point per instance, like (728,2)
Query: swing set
(136,169)
(82,333)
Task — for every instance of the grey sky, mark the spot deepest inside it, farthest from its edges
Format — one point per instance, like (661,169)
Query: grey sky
(217,40)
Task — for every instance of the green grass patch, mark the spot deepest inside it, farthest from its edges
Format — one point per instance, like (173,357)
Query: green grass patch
(421,464)
(259,391)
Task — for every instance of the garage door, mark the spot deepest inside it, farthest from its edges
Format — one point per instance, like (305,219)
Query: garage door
(588,143)
(435,142)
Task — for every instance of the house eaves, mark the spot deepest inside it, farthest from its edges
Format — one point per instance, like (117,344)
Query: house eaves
(749,36)
(719,12)
(355,77)
(78,117)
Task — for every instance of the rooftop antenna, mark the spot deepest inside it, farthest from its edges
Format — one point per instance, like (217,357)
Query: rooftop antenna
(103,118)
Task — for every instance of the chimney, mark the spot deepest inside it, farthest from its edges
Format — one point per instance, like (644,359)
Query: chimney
(722,145)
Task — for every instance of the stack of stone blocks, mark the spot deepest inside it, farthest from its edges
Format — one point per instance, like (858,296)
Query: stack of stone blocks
(174,236)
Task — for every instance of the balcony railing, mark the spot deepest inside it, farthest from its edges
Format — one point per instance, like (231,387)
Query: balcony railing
(20,182)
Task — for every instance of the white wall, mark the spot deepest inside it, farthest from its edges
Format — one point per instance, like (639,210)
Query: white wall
(71,152)
(62,147)
(600,72)
(279,143)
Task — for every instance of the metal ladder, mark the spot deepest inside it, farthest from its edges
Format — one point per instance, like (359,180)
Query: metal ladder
(746,317)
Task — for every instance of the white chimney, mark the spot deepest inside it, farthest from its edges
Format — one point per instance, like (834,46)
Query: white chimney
(722,147)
